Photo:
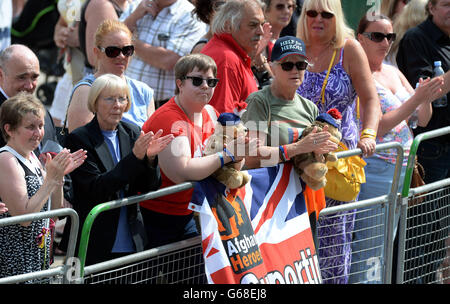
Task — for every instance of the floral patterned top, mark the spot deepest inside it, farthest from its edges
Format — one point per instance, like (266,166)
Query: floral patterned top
(400,133)
(339,94)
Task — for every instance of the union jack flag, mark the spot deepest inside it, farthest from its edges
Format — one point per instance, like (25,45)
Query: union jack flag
(259,233)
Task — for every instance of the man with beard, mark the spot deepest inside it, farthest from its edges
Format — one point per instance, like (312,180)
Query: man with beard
(237,30)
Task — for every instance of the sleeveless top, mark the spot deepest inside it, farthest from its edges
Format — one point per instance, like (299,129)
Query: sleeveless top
(82,30)
(401,132)
(339,94)
(19,249)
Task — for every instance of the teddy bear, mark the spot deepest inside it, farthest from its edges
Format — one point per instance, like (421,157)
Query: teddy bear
(228,127)
(311,167)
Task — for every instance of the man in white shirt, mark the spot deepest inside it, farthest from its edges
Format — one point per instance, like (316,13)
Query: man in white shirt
(165,30)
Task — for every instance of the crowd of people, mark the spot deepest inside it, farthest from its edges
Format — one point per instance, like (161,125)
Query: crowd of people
(144,84)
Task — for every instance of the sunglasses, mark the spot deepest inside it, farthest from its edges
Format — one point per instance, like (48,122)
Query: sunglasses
(114,51)
(198,81)
(378,37)
(281,6)
(314,14)
(288,66)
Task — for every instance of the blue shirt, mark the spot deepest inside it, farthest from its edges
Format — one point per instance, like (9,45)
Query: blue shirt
(124,239)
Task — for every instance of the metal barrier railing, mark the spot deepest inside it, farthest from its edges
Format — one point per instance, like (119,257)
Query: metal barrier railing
(87,226)
(424,225)
(58,273)
(384,222)
(139,268)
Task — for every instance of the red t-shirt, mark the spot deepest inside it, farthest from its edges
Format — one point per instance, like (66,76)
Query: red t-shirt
(236,80)
(172,120)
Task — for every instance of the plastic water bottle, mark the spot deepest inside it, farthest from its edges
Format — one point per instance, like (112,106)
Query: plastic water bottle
(414,118)
(438,71)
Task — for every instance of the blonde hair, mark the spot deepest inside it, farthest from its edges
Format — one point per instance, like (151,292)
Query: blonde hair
(109,26)
(412,15)
(109,82)
(343,31)
(15,108)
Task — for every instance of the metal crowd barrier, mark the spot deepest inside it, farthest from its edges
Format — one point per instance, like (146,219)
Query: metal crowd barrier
(53,275)
(424,240)
(377,245)
(180,262)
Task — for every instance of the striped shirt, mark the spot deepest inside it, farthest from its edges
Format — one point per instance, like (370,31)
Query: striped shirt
(174,29)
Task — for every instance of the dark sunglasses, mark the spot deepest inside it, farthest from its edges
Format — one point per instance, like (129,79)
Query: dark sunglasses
(281,6)
(314,14)
(198,81)
(288,66)
(378,37)
(114,51)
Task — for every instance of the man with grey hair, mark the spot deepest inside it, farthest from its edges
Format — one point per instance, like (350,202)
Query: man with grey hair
(237,30)
(19,71)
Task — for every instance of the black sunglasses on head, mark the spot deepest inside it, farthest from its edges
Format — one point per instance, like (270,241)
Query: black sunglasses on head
(114,51)
(314,14)
(378,37)
(288,65)
(198,81)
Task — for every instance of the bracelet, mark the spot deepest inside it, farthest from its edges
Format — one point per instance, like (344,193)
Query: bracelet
(259,67)
(221,159)
(283,153)
(229,154)
(368,133)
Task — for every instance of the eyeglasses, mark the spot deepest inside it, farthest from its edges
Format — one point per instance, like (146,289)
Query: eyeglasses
(114,51)
(288,65)
(217,5)
(281,6)
(112,100)
(314,14)
(198,81)
(378,37)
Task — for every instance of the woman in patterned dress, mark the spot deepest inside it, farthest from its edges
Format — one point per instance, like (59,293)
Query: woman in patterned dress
(328,39)
(26,187)
(400,105)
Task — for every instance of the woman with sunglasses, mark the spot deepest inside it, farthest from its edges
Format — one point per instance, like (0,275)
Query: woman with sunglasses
(121,162)
(338,73)
(400,105)
(113,50)
(191,120)
(276,115)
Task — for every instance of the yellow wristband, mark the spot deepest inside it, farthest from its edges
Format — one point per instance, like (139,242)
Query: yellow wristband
(367,136)
(369,133)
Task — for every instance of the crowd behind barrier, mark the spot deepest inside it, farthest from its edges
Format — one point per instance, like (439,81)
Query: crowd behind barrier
(406,236)
(172,263)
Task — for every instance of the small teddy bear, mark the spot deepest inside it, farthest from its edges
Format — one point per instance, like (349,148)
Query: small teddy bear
(311,167)
(229,126)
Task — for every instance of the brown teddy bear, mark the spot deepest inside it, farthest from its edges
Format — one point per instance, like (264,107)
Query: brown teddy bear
(312,167)
(229,126)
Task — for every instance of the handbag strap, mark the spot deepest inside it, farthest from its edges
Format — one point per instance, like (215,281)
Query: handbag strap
(322,93)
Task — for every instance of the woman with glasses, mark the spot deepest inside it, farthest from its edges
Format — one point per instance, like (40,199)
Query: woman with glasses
(400,106)
(276,115)
(121,162)
(113,50)
(191,120)
(337,74)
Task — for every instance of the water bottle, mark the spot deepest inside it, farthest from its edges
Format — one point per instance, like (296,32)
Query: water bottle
(414,118)
(438,71)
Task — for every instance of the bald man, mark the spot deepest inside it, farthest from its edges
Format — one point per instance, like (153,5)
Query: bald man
(19,71)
